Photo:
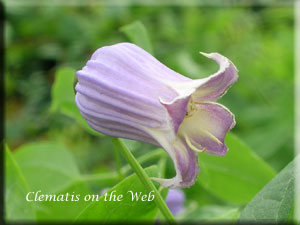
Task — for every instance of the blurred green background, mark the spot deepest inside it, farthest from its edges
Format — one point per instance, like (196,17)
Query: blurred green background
(259,40)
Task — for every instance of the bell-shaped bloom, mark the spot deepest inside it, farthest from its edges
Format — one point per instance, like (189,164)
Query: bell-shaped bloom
(123,91)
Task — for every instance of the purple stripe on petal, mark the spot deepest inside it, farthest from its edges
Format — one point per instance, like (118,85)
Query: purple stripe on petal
(118,109)
(116,132)
(140,58)
(107,114)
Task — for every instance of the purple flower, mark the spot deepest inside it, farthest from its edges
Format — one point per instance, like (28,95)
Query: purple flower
(123,91)
(175,201)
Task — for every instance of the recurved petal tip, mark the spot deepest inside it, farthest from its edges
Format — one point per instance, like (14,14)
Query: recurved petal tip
(216,85)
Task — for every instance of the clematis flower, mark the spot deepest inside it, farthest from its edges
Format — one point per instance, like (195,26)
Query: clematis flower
(175,201)
(123,91)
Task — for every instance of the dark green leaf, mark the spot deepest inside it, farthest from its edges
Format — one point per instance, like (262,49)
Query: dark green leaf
(275,201)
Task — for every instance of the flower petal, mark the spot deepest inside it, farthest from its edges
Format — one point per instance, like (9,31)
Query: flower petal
(177,110)
(206,127)
(185,160)
(212,87)
(207,89)
(218,83)
(140,62)
(113,120)
(123,82)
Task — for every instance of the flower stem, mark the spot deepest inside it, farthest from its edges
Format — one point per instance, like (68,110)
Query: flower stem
(136,167)
(125,170)
(118,163)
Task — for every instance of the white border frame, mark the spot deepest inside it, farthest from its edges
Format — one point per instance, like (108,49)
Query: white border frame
(297,106)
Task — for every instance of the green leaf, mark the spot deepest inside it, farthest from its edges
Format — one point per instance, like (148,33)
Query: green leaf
(63,97)
(200,195)
(237,176)
(47,166)
(64,210)
(16,189)
(275,201)
(125,210)
(63,90)
(137,33)
(210,213)
(51,169)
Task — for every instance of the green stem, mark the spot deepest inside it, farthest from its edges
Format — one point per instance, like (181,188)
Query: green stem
(118,163)
(158,153)
(136,167)
(125,170)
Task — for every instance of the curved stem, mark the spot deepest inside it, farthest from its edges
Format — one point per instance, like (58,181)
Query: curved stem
(136,167)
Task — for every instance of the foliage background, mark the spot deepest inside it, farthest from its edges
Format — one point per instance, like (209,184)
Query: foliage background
(43,42)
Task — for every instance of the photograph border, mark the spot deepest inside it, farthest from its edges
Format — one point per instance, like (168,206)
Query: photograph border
(205,3)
